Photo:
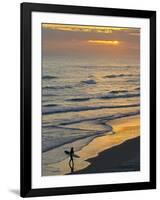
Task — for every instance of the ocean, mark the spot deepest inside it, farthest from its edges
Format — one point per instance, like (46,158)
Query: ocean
(79,99)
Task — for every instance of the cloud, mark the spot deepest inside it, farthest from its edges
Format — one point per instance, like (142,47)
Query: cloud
(135,34)
(104,42)
(80,28)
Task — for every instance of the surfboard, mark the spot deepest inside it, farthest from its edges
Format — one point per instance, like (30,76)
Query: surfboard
(74,155)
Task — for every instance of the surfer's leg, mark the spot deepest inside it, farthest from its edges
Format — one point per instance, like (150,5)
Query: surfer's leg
(72,164)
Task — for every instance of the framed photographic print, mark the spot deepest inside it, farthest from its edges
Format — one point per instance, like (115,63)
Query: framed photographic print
(88,99)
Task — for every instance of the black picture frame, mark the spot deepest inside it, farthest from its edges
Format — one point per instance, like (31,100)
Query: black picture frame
(26,105)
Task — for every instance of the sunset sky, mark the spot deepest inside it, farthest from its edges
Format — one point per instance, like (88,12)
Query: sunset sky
(91,44)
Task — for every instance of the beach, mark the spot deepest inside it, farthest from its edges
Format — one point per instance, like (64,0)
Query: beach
(121,158)
(117,151)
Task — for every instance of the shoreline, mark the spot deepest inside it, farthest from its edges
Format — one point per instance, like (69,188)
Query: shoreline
(125,129)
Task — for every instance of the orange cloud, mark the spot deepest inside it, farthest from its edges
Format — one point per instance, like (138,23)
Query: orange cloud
(104,42)
(80,28)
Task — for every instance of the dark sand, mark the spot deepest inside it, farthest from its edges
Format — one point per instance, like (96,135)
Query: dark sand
(122,158)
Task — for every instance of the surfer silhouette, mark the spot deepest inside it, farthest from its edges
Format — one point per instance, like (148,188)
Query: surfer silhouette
(71,162)
(71,155)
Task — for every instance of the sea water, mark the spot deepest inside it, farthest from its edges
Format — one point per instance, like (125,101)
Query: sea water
(79,99)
